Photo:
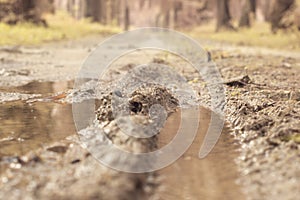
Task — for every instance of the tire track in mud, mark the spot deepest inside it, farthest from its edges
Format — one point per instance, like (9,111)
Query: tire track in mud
(189,177)
(213,177)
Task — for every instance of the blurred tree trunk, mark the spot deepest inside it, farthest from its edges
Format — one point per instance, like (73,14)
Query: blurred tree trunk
(109,13)
(98,10)
(280,7)
(223,16)
(102,11)
(163,17)
(79,9)
(126,16)
(168,14)
(94,9)
(115,7)
(88,8)
(248,8)
(166,22)
(165,13)
(262,10)
(177,8)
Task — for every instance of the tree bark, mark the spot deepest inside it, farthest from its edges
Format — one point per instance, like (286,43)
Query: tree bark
(223,16)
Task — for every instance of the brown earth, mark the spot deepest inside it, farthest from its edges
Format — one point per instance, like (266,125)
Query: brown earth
(260,162)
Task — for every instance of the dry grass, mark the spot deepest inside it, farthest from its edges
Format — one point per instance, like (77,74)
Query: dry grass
(259,35)
(61,26)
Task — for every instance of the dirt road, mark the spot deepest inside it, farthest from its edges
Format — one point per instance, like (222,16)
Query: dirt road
(257,156)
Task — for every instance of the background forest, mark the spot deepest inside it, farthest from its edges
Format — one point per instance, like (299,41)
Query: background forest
(255,20)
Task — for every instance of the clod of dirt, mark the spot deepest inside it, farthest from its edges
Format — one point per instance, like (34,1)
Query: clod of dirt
(140,102)
(142,99)
(104,112)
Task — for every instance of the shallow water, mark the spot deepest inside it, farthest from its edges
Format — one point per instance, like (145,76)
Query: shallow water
(27,126)
(213,177)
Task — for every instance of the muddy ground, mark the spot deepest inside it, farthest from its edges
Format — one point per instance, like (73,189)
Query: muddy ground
(257,156)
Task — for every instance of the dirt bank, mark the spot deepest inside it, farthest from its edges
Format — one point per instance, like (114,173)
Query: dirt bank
(264,111)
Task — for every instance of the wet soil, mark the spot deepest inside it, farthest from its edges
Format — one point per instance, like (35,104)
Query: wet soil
(264,114)
(256,158)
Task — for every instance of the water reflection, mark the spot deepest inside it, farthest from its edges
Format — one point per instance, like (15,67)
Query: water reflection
(25,127)
(191,178)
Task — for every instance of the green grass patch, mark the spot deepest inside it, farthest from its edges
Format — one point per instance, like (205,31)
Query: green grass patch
(61,26)
(258,35)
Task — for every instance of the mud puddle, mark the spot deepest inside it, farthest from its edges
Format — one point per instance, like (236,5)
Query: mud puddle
(213,177)
(27,126)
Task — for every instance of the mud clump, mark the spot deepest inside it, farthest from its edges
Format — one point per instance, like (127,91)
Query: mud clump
(104,111)
(139,102)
